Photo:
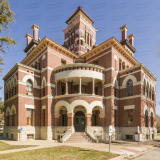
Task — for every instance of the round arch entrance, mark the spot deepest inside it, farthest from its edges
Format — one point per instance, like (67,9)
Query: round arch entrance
(79,121)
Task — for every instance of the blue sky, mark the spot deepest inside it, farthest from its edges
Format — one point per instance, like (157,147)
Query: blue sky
(142,18)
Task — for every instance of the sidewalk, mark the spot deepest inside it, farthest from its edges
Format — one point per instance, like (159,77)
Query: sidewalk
(118,149)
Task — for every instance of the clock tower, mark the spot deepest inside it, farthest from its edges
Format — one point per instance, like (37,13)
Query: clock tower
(80,35)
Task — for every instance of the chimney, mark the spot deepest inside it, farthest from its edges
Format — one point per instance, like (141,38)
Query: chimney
(131,39)
(124,32)
(35,32)
(29,38)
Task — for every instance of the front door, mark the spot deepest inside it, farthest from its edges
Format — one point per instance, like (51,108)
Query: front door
(79,121)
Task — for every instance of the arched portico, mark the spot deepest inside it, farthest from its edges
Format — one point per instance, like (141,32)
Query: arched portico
(79,113)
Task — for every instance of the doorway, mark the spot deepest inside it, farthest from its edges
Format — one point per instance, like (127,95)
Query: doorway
(79,121)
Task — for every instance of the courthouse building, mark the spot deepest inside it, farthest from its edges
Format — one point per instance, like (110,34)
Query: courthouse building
(79,87)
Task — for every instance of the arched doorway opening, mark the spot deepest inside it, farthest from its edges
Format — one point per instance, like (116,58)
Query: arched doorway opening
(63,116)
(95,116)
(79,121)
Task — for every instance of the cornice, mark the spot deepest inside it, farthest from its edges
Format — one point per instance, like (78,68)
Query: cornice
(112,42)
(47,42)
(22,65)
(79,65)
(140,65)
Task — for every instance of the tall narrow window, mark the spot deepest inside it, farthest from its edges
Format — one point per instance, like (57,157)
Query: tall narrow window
(43,117)
(96,88)
(63,88)
(95,118)
(43,88)
(29,117)
(129,117)
(146,118)
(130,88)
(13,118)
(151,119)
(29,87)
(115,90)
(115,114)
(7,118)
(144,88)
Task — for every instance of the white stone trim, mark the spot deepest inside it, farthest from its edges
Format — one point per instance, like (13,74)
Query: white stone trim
(110,68)
(115,107)
(115,57)
(43,69)
(8,110)
(79,73)
(29,73)
(13,108)
(44,107)
(146,108)
(70,107)
(131,73)
(133,78)
(43,57)
(134,84)
(78,95)
(25,78)
(30,106)
(129,107)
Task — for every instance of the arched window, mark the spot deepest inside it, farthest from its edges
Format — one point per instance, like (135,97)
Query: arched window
(151,119)
(43,88)
(130,88)
(115,90)
(144,87)
(146,118)
(13,118)
(8,118)
(29,87)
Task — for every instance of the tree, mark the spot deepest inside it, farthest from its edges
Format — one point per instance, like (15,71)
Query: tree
(158,123)
(1,106)
(6,17)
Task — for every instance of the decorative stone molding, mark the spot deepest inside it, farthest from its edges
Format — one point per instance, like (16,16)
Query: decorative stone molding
(56,115)
(70,114)
(102,115)
(129,107)
(30,106)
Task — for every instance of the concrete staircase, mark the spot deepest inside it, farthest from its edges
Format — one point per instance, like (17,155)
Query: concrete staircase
(78,137)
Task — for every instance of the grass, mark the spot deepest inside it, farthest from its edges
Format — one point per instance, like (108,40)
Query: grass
(158,134)
(60,153)
(5,146)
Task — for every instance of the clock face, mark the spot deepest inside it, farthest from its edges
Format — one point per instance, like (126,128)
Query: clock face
(70,28)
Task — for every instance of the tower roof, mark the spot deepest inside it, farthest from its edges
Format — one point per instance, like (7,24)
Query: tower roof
(80,9)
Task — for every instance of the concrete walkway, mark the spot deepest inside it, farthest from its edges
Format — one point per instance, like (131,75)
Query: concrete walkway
(118,149)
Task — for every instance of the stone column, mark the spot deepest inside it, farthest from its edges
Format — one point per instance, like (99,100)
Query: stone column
(102,88)
(102,119)
(57,120)
(56,87)
(80,79)
(88,119)
(93,88)
(70,118)
(66,86)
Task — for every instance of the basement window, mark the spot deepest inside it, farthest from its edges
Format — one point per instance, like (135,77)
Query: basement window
(129,137)
(30,136)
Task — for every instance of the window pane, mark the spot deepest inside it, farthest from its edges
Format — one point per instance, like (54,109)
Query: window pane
(129,117)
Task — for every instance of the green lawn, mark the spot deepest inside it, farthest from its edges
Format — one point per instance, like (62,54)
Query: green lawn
(5,146)
(158,134)
(60,153)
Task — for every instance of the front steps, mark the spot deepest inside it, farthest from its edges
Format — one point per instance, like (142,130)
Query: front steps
(78,137)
